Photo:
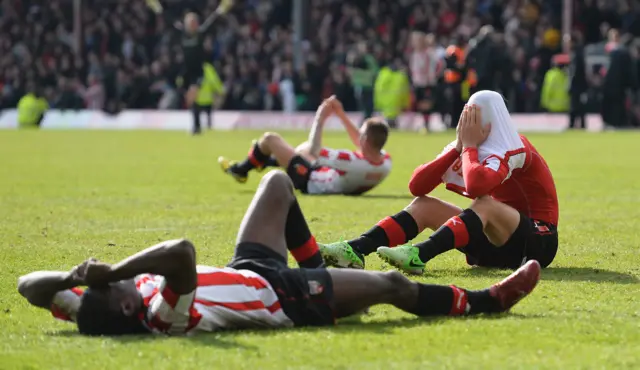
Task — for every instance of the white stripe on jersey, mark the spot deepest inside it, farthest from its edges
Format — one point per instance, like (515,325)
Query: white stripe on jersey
(346,172)
(225,298)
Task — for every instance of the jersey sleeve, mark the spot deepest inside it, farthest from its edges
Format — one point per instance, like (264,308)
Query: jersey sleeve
(66,303)
(481,178)
(428,176)
(342,160)
(172,313)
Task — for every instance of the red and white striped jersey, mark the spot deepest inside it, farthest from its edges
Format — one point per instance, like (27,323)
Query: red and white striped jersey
(424,66)
(346,172)
(225,298)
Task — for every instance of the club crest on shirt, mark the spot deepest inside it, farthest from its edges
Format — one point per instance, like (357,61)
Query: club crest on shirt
(301,169)
(315,288)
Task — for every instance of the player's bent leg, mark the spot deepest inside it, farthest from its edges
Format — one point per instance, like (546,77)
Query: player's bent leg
(269,149)
(304,150)
(274,220)
(468,232)
(500,220)
(266,217)
(422,213)
(430,212)
(355,290)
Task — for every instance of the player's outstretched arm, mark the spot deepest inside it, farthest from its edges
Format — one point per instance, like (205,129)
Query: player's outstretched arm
(315,135)
(173,259)
(40,287)
(223,8)
(352,129)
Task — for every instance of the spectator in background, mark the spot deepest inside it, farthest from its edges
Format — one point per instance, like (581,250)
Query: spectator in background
(363,69)
(425,60)
(618,80)
(94,95)
(454,75)
(555,95)
(577,82)
(68,97)
(392,91)
(31,108)
(286,87)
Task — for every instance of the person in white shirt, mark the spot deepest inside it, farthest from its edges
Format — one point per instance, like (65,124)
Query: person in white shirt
(315,169)
(161,290)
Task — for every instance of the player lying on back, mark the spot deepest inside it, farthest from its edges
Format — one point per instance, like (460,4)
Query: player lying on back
(317,170)
(162,290)
(513,217)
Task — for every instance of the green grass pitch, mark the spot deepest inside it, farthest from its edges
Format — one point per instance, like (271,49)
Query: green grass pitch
(65,196)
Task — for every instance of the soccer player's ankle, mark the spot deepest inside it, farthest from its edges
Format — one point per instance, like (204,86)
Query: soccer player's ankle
(481,301)
(390,232)
(363,246)
(440,300)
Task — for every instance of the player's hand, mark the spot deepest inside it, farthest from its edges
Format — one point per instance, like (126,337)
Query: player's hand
(471,132)
(155,6)
(224,7)
(96,273)
(77,273)
(337,104)
(325,109)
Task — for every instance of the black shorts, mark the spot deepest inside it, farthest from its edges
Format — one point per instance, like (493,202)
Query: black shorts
(532,240)
(305,295)
(192,77)
(299,171)
(425,94)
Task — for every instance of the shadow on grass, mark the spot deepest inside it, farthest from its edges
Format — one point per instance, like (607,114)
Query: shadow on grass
(228,340)
(551,273)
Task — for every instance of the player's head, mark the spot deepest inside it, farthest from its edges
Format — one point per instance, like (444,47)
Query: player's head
(191,22)
(111,310)
(493,108)
(374,133)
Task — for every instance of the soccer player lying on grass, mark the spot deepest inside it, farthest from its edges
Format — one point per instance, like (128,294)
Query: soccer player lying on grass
(162,290)
(513,216)
(317,170)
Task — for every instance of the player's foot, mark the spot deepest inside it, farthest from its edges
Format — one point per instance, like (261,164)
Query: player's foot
(404,257)
(516,286)
(227,166)
(341,254)
(261,168)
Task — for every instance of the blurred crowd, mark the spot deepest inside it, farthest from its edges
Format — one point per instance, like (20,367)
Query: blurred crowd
(127,57)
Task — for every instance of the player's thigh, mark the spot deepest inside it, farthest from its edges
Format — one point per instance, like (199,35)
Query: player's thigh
(304,150)
(265,219)
(430,212)
(500,220)
(355,290)
(279,148)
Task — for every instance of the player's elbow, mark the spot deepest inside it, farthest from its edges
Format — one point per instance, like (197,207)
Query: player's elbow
(415,188)
(182,252)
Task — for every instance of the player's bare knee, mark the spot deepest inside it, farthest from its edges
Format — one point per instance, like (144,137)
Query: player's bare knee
(278,185)
(270,137)
(483,207)
(397,284)
(420,210)
(419,203)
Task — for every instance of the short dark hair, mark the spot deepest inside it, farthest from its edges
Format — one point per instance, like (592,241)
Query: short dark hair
(96,318)
(377,132)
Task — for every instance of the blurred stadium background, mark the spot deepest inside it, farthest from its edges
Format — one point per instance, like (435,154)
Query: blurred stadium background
(288,55)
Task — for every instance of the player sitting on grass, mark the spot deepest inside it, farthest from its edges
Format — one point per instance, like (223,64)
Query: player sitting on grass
(317,170)
(162,290)
(513,216)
